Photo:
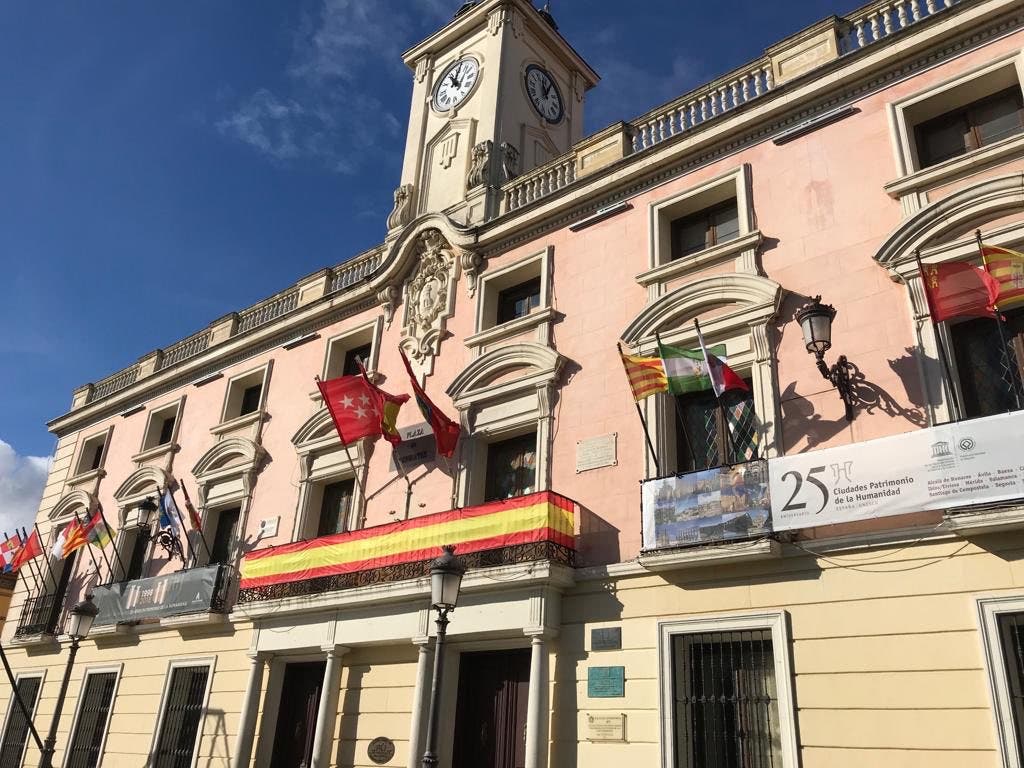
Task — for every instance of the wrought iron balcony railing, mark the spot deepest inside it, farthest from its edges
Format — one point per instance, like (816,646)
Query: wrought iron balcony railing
(40,615)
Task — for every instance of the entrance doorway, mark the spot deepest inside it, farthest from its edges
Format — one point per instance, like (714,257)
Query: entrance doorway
(490,720)
(296,716)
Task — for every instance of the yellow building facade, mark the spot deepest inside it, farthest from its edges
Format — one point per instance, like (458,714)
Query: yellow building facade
(793,578)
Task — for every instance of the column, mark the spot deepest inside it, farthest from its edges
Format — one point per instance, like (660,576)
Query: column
(423,667)
(537,706)
(250,708)
(327,712)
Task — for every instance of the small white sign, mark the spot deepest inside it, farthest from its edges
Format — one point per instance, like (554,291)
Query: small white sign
(611,728)
(597,452)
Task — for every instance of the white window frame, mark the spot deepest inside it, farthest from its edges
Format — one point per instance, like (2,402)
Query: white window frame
(662,213)
(778,623)
(160,413)
(492,283)
(989,610)
(211,663)
(236,383)
(118,670)
(12,705)
(87,473)
(351,338)
(902,124)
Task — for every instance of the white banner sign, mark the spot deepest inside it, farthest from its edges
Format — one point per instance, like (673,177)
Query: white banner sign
(966,464)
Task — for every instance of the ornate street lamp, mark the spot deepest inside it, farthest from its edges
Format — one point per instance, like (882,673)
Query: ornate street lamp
(171,544)
(445,580)
(816,323)
(82,617)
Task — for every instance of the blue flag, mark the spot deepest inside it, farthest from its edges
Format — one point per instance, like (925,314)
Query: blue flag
(169,515)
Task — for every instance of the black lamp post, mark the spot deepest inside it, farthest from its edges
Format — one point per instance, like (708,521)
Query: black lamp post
(82,617)
(170,543)
(445,580)
(816,323)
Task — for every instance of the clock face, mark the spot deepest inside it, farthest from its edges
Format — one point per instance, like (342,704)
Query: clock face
(544,94)
(455,84)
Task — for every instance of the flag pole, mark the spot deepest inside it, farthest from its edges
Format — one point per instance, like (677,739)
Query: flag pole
(110,535)
(1004,350)
(731,450)
(405,476)
(947,377)
(103,550)
(455,473)
(679,411)
(181,523)
(35,584)
(46,557)
(92,557)
(36,571)
(640,413)
(355,471)
(199,529)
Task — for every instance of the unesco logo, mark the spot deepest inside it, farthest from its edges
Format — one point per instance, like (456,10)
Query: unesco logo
(967,444)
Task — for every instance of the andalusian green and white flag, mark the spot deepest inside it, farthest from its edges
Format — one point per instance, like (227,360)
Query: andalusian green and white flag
(686,369)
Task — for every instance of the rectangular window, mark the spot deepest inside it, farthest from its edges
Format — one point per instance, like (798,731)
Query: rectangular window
(704,229)
(975,125)
(988,374)
(361,355)
(182,716)
(92,453)
(16,734)
(166,430)
(335,507)
(136,548)
(245,394)
(224,535)
(251,399)
(725,703)
(93,716)
(511,468)
(701,426)
(519,300)
(160,427)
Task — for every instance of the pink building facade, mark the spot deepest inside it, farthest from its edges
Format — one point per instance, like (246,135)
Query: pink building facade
(662,626)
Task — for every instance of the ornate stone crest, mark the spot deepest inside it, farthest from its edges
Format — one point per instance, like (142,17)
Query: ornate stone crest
(429,299)
(401,214)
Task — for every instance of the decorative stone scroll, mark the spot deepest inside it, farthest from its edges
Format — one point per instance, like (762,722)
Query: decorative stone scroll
(401,214)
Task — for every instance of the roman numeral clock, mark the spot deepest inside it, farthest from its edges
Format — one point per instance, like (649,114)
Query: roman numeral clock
(544,94)
(455,84)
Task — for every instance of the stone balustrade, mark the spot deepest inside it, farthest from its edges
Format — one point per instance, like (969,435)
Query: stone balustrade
(879,20)
(342,277)
(540,182)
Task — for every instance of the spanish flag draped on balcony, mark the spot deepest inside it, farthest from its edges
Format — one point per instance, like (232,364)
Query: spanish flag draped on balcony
(1007,267)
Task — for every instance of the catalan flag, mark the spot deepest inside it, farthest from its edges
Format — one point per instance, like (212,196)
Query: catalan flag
(646,375)
(74,537)
(1007,267)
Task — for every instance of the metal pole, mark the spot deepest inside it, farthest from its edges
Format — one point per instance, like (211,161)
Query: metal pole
(21,702)
(46,557)
(50,745)
(430,753)
(110,535)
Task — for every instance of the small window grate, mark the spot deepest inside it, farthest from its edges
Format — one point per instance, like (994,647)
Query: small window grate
(725,700)
(16,736)
(183,713)
(87,740)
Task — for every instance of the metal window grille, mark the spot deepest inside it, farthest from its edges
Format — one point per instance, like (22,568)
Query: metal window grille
(988,375)
(183,713)
(726,711)
(698,424)
(1011,635)
(12,748)
(93,716)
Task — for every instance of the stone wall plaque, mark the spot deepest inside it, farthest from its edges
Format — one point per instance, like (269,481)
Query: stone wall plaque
(606,639)
(606,682)
(381,750)
(606,727)
(596,452)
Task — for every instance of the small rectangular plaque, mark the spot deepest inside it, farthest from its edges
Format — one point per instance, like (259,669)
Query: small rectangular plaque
(606,727)
(596,452)
(606,639)
(606,682)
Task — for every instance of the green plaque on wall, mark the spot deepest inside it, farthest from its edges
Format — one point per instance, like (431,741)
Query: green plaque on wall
(606,682)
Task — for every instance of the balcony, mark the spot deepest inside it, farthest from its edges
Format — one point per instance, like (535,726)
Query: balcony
(40,615)
(527,529)
(191,596)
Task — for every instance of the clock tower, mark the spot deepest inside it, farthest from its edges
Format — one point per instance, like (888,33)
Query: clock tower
(496,92)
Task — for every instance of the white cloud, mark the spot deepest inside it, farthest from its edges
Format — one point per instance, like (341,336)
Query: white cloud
(324,113)
(22,479)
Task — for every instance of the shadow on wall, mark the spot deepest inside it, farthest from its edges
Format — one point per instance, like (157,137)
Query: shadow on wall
(801,422)
(348,708)
(597,543)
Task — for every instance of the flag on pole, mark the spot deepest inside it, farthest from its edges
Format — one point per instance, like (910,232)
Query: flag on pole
(687,369)
(352,405)
(96,530)
(169,514)
(70,539)
(8,551)
(958,289)
(1007,267)
(646,375)
(193,515)
(32,549)
(723,378)
(446,431)
(387,406)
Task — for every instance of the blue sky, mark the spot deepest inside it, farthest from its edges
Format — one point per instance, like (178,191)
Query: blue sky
(165,163)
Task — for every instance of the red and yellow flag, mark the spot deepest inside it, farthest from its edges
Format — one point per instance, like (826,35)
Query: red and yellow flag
(75,537)
(646,375)
(1007,267)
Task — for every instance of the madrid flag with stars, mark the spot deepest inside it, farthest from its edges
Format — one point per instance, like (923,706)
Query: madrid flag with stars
(353,407)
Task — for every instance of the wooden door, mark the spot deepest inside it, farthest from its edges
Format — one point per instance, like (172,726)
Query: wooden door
(490,721)
(296,716)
